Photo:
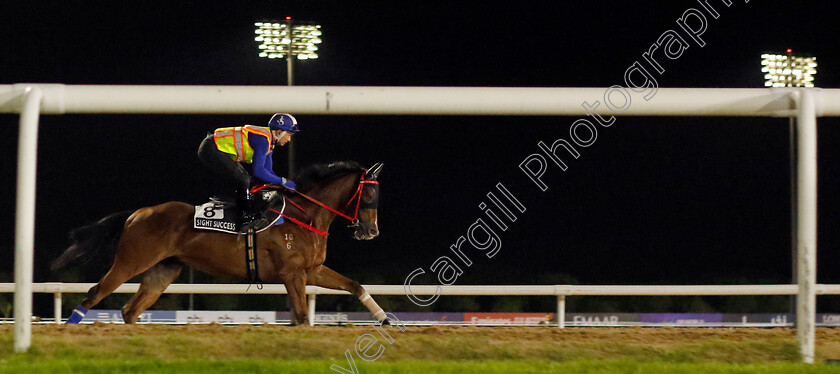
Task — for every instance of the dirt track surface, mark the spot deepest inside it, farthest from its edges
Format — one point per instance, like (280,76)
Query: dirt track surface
(427,343)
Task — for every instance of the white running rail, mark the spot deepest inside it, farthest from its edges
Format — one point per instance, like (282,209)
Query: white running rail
(802,104)
(559,291)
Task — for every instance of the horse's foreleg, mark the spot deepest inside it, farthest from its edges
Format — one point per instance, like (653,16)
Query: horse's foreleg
(296,288)
(154,282)
(325,277)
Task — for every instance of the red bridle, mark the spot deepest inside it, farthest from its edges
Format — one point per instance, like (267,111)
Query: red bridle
(357,196)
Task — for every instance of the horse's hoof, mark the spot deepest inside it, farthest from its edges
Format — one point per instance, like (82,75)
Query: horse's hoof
(385,322)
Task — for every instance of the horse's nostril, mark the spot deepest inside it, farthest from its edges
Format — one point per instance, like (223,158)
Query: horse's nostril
(372,232)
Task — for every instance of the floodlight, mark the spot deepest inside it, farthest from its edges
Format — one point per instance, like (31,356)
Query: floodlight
(788,70)
(299,39)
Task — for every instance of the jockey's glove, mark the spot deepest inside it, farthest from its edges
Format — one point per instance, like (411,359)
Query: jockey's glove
(288,184)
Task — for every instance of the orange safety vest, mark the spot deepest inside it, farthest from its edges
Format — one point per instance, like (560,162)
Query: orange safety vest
(234,141)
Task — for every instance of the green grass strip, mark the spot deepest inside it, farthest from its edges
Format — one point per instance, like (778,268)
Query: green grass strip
(27,364)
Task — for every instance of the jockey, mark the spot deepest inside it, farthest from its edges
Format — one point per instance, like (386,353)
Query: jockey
(228,148)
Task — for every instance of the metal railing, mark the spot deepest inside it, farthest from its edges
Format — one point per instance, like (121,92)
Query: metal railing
(558,291)
(802,105)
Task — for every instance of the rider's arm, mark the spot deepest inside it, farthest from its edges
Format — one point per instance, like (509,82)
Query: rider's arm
(262,162)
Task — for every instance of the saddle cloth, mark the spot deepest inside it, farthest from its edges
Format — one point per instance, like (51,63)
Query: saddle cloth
(222,216)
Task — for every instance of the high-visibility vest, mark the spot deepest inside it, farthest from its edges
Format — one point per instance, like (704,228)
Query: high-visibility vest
(234,141)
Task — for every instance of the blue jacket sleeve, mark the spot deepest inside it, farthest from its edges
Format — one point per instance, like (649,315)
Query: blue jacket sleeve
(262,162)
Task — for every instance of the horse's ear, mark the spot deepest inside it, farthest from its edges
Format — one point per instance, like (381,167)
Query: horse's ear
(373,171)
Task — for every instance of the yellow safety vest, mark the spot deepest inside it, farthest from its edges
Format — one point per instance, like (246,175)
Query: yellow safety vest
(234,141)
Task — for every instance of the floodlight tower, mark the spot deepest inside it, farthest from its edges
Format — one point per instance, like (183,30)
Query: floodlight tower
(285,39)
(788,70)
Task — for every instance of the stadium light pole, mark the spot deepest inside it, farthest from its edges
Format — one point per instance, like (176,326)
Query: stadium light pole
(287,39)
(789,70)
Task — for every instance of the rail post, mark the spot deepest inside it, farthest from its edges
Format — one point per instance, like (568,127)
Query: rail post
(25,214)
(806,221)
(561,311)
(312,309)
(57,307)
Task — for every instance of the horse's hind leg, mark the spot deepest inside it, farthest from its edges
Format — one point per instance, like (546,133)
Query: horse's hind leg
(128,262)
(113,279)
(325,277)
(154,282)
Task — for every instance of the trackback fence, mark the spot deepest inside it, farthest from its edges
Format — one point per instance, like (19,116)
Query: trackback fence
(558,291)
(803,105)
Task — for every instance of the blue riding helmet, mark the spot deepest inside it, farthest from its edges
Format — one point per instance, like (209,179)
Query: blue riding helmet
(283,121)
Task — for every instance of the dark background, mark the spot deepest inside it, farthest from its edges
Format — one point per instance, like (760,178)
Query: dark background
(664,200)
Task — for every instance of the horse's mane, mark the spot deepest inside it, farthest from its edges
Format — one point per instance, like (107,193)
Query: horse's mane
(320,173)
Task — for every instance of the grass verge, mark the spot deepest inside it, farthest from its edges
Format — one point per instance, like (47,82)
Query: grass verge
(208,349)
(23,365)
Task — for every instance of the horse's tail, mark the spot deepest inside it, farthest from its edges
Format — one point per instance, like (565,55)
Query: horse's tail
(96,237)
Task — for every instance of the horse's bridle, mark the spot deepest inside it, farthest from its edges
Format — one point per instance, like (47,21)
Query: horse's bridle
(357,197)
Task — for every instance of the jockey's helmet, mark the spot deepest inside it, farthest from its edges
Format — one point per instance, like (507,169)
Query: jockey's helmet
(283,121)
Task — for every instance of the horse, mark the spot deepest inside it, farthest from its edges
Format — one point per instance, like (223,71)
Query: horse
(157,242)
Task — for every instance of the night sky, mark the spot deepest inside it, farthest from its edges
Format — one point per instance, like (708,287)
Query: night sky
(664,200)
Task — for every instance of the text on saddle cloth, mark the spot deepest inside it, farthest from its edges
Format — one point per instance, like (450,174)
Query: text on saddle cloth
(222,216)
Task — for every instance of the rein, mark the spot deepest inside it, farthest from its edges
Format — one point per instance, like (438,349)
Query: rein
(357,196)
(303,224)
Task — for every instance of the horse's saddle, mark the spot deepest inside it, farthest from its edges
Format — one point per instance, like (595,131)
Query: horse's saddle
(223,215)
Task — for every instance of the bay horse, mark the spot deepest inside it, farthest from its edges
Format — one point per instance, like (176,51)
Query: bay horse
(159,241)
